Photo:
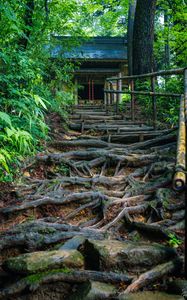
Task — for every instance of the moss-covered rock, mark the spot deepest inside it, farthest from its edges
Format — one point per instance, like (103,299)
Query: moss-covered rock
(151,296)
(50,291)
(44,260)
(178,286)
(100,290)
(115,255)
(93,290)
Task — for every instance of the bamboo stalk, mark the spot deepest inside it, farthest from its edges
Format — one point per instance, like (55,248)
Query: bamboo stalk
(180,175)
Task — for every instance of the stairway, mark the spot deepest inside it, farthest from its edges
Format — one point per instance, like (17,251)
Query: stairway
(100,217)
(111,127)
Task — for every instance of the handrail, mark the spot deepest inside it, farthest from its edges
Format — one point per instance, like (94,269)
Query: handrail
(142,93)
(180,177)
(153,74)
(180,172)
(109,91)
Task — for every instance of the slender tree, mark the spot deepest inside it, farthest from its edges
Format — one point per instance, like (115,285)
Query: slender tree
(131,13)
(28,24)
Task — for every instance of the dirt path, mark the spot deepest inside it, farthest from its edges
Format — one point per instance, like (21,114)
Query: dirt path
(96,214)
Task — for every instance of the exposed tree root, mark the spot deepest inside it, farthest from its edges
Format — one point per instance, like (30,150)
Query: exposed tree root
(48,185)
(153,275)
(116,191)
(57,199)
(36,235)
(62,275)
(84,143)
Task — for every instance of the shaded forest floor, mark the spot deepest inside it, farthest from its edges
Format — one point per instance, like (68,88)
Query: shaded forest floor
(95,216)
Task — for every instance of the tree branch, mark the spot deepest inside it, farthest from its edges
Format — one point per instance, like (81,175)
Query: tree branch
(46,9)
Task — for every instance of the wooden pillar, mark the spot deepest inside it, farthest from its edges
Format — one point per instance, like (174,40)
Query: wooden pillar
(111,95)
(154,103)
(118,96)
(132,101)
(89,90)
(105,95)
(92,89)
(76,91)
(120,87)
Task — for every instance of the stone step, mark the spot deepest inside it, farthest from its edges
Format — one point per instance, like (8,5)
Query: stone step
(125,255)
(112,128)
(44,260)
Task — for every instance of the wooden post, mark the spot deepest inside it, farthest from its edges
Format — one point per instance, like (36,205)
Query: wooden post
(120,87)
(154,103)
(132,101)
(111,95)
(76,91)
(89,90)
(117,95)
(107,97)
(93,90)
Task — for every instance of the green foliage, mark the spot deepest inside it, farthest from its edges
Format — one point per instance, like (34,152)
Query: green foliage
(21,140)
(4,159)
(125,99)
(63,169)
(31,83)
(170,34)
(174,241)
(167,107)
(5,118)
(62,102)
(104,17)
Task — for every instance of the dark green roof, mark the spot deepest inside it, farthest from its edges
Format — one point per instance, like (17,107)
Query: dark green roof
(97,48)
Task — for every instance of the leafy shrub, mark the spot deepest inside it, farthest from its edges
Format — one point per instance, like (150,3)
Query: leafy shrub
(167,107)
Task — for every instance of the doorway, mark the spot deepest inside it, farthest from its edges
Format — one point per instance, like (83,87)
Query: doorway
(91,91)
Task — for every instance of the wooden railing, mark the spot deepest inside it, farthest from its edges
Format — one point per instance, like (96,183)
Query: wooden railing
(179,181)
(180,174)
(131,80)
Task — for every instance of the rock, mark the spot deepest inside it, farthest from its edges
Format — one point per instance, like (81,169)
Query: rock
(44,260)
(178,286)
(151,296)
(73,243)
(50,291)
(64,291)
(115,255)
(101,290)
(165,196)
(94,291)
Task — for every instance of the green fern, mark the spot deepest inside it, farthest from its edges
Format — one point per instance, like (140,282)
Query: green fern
(5,118)
(20,139)
(4,159)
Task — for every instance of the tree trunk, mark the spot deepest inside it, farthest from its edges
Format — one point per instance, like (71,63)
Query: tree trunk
(28,24)
(131,14)
(167,48)
(143,36)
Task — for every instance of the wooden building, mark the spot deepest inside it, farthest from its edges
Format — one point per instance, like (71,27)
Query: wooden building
(99,58)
